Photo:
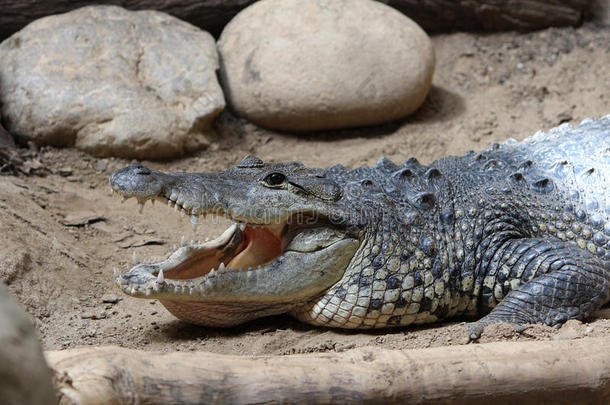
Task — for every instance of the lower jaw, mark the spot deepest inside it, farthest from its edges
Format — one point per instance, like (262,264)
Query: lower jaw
(215,314)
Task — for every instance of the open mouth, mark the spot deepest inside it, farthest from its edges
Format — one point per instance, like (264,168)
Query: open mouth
(271,259)
(244,247)
(241,247)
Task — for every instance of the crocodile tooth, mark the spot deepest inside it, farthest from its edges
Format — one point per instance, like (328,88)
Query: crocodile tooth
(111,191)
(148,291)
(116,272)
(242,226)
(212,273)
(182,241)
(176,206)
(182,212)
(207,239)
(133,290)
(123,199)
(160,278)
(193,223)
(221,267)
(140,207)
(169,202)
(134,259)
(175,247)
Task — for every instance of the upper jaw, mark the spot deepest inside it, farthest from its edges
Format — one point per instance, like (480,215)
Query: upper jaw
(194,203)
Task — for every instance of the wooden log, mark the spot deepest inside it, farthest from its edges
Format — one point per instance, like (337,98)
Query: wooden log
(211,15)
(558,372)
(432,15)
(493,15)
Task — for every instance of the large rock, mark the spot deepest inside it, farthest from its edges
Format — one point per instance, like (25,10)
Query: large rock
(321,64)
(111,82)
(25,377)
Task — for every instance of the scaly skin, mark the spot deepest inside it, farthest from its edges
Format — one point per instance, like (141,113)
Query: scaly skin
(521,229)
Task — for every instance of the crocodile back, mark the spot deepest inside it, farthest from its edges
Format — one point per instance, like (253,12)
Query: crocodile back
(576,158)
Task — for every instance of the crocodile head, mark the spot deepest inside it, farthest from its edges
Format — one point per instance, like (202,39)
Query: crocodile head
(291,239)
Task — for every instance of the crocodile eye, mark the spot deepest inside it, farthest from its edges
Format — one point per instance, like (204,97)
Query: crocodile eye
(274,179)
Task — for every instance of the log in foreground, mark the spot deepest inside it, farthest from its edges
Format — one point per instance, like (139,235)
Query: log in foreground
(576,371)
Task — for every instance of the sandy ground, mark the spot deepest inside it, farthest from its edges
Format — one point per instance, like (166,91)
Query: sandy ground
(63,232)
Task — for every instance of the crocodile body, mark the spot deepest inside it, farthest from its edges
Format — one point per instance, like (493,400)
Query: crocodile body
(520,229)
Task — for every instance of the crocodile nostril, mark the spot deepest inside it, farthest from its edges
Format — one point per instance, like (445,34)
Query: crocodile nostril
(142,170)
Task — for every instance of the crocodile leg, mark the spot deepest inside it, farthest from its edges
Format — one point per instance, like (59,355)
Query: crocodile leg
(559,282)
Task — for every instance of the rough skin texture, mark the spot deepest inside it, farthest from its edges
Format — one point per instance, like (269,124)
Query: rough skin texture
(520,229)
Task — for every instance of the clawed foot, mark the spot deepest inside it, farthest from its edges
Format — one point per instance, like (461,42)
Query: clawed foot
(475,329)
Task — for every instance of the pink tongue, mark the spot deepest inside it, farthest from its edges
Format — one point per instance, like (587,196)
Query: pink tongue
(264,245)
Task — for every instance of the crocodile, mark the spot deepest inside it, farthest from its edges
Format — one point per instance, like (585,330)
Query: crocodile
(516,233)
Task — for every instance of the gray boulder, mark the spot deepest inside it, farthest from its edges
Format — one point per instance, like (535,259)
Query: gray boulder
(111,82)
(323,64)
(25,377)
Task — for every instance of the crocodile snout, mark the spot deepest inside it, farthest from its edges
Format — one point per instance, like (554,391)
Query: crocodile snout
(138,181)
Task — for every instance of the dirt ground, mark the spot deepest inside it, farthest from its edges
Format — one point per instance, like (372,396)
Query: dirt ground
(63,232)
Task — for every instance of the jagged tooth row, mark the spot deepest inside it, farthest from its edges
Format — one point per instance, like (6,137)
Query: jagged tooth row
(193,212)
(184,287)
